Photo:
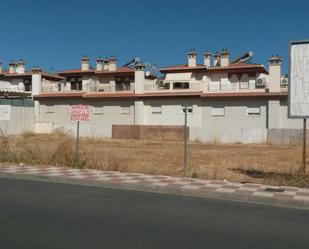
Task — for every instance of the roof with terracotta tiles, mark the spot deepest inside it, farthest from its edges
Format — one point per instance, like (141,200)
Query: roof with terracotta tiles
(109,95)
(77,94)
(170,94)
(245,94)
(28,74)
(236,67)
(95,95)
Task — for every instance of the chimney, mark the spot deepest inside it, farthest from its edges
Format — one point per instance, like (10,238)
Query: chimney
(1,70)
(139,78)
(192,58)
(12,67)
(99,66)
(224,62)
(216,59)
(36,80)
(207,58)
(85,63)
(36,70)
(112,63)
(20,67)
(105,64)
(274,64)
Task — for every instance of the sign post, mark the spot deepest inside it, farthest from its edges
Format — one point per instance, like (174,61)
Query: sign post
(77,141)
(185,141)
(79,113)
(298,101)
(304,147)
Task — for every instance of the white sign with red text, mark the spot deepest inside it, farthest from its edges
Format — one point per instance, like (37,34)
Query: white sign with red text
(80,112)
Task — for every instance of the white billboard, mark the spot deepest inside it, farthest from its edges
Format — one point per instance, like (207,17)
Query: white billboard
(299,79)
(5,112)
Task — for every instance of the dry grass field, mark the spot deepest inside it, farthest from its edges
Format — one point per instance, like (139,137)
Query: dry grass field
(266,164)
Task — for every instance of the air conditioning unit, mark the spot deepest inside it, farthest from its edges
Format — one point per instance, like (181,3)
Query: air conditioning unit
(284,82)
(261,82)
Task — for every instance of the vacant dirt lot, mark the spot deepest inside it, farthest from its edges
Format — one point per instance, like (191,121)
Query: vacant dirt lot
(236,162)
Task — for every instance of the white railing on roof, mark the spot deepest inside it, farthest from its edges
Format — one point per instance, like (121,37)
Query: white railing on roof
(12,89)
(225,87)
(110,88)
(168,86)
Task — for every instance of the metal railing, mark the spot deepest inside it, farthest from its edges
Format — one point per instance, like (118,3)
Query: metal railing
(239,86)
(111,88)
(168,86)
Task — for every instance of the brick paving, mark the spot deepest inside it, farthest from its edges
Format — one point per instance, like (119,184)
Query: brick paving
(285,195)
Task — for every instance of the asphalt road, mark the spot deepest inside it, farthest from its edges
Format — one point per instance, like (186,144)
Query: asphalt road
(47,215)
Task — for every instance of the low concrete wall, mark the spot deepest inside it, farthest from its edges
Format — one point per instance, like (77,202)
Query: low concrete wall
(149,132)
(86,129)
(22,120)
(286,136)
(234,135)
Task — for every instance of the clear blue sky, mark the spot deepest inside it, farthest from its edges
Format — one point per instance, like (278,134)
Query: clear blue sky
(55,34)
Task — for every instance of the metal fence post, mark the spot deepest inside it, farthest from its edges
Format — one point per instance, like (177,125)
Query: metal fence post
(304,146)
(77,142)
(185,141)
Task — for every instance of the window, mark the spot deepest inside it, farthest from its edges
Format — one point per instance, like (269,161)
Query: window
(156,109)
(244,81)
(97,110)
(76,83)
(189,109)
(181,85)
(122,84)
(59,87)
(234,78)
(253,111)
(50,108)
(125,110)
(217,111)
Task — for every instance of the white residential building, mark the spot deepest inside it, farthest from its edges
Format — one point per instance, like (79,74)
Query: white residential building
(227,101)
(17,79)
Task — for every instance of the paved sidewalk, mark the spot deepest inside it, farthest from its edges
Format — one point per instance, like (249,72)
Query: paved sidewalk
(283,195)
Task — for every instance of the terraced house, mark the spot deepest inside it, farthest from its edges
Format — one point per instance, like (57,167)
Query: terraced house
(227,100)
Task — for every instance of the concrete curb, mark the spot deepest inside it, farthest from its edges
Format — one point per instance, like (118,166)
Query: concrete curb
(254,193)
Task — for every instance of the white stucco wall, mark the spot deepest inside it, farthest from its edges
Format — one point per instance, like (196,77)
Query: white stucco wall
(235,115)
(103,114)
(172,113)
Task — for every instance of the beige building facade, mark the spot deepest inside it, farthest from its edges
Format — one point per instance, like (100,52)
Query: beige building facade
(227,101)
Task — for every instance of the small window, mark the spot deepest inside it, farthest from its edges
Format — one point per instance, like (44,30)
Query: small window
(125,110)
(181,85)
(59,87)
(189,109)
(50,109)
(156,109)
(253,111)
(97,110)
(217,111)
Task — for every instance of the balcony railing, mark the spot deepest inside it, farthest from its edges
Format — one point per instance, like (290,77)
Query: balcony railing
(226,87)
(192,86)
(110,88)
(195,86)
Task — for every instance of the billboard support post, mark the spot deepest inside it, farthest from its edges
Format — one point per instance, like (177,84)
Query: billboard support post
(185,141)
(77,141)
(304,147)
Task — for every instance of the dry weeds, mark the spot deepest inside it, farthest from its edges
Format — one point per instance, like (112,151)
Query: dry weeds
(268,164)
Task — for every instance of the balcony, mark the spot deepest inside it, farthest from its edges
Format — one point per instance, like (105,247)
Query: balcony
(174,86)
(112,88)
(233,87)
